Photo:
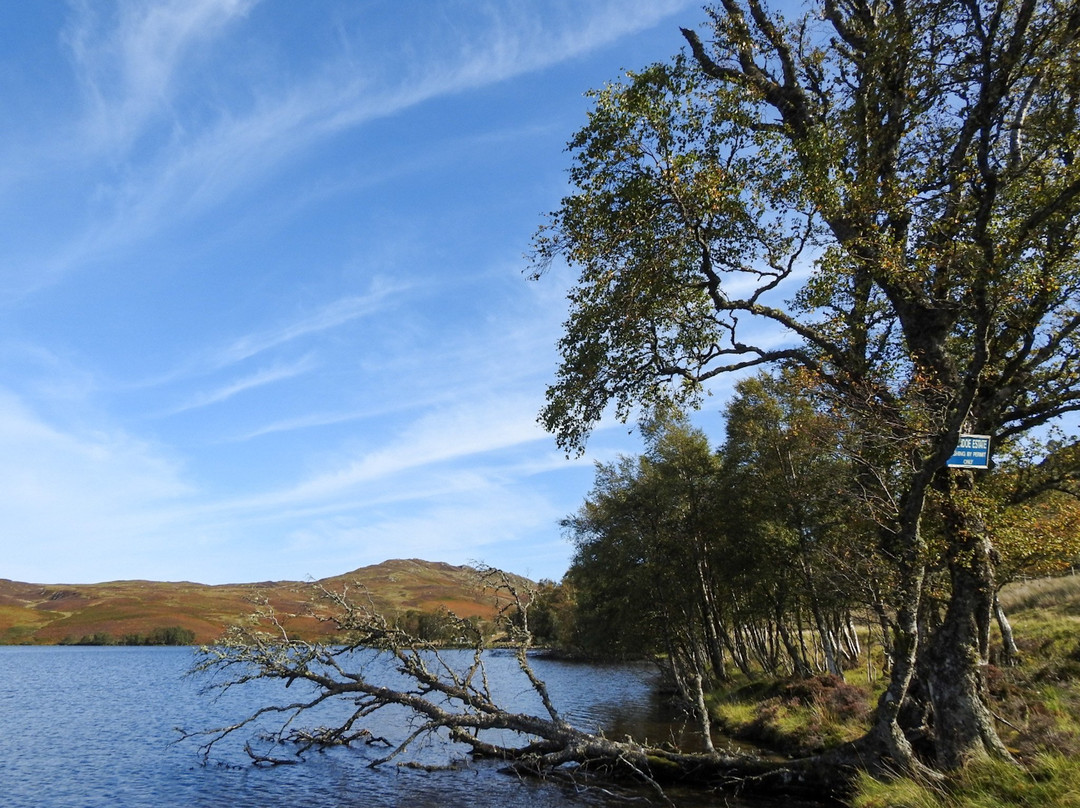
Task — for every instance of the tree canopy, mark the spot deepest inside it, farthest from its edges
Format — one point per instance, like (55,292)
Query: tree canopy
(733,555)
(882,192)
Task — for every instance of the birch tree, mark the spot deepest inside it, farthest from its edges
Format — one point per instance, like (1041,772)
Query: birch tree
(883,193)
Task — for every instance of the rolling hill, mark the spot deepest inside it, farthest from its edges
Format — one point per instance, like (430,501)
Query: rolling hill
(43,614)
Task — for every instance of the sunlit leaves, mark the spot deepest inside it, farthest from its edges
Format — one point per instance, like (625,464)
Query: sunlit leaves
(893,198)
(639,537)
(1037,538)
(667,206)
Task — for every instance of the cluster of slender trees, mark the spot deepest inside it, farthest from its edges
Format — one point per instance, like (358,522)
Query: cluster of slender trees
(746,556)
(763,555)
(169,635)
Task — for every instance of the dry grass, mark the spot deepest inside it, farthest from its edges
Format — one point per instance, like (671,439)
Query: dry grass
(1050,781)
(1043,593)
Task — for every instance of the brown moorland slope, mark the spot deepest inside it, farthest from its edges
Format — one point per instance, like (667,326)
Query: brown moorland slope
(43,614)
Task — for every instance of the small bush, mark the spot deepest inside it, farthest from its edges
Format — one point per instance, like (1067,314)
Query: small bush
(798,717)
(838,699)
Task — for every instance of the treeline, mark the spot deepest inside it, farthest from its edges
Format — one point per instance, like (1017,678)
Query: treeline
(441,627)
(169,635)
(771,552)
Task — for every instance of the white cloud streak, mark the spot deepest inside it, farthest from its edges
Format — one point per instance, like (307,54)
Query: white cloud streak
(335,314)
(270,375)
(128,65)
(412,465)
(196,169)
(332,315)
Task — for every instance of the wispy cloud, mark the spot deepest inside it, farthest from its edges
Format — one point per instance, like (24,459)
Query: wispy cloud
(128,62)
(319,419)
(332,315)
(308,422)
(435,441)
(74,497)
(260,378)
(519,41)
(459,526)
(206,160)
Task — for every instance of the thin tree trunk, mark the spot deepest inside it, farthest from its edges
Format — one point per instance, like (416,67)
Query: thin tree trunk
(887,628)
(828,639)
(711,620)
(851,638)
(798,663)
(703,715)
(886,733)
(1010,654)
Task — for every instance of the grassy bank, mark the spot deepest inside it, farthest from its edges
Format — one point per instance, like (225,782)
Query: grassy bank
(1037,704)
(1049,780)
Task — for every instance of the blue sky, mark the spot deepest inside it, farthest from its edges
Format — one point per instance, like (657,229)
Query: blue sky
(262,310)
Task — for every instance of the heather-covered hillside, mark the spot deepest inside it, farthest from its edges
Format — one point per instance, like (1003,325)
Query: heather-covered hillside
(56,613)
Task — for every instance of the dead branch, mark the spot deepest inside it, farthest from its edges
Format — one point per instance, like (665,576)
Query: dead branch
(376,665)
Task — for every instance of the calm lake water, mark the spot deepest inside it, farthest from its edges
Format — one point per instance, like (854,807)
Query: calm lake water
(88,727)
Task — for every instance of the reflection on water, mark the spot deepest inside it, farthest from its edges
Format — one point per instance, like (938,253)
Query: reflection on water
(620,700)
(95,727)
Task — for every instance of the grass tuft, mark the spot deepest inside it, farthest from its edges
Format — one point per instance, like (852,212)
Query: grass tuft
(797,717)
(900,793)
(1050,781)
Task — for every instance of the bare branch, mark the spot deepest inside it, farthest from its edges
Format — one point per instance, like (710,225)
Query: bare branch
(443,696)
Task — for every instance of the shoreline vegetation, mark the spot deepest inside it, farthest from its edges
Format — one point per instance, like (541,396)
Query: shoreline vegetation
(168,635)
(1035,702)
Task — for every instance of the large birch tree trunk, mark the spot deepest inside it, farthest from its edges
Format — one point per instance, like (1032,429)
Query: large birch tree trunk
(959,651)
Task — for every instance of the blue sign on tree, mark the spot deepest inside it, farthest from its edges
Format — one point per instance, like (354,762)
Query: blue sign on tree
(972,452)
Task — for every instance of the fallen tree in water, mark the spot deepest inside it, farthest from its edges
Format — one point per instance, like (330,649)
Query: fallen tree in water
(455,700)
